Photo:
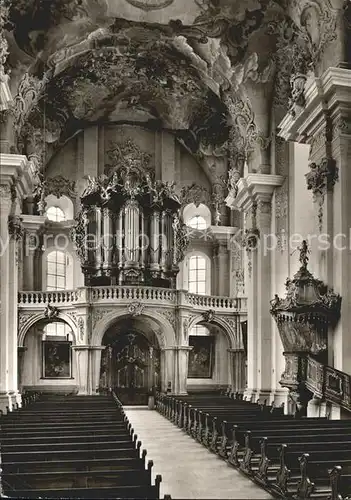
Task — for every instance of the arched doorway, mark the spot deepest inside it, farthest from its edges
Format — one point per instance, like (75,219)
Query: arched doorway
(130,364)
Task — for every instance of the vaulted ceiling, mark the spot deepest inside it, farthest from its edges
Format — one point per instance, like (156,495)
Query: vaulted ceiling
(200,68)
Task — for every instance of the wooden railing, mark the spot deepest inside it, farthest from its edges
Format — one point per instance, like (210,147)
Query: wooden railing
(328,383)
(125,294)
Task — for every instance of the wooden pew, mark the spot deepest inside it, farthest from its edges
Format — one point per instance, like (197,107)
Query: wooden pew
(340,484)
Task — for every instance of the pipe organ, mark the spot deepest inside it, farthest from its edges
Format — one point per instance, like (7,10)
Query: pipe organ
(128,230)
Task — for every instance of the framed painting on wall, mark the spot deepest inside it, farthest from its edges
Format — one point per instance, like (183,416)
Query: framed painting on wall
(201,356)
(57,359)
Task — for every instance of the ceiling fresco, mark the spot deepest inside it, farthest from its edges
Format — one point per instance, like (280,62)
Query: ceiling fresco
(210,71)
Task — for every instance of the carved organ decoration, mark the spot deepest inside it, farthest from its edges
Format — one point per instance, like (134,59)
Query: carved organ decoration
(58,186)
(303,318)
(129,230)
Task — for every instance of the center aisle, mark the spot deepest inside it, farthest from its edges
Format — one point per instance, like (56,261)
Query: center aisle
(188,469)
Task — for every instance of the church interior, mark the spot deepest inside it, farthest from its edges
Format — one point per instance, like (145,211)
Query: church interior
(175,244)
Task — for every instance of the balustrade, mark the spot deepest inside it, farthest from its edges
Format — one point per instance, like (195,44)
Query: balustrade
(325,381)
(108,294)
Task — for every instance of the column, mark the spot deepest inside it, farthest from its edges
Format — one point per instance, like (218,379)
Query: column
(254,199)
(237,360)
(169,369)
(264,293)
(223,268)
(21,353)
(16,180)
(82,368)
(32,243)
(5,205)
(181,369)
(94,367)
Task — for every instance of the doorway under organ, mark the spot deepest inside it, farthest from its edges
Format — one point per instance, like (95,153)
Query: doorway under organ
(130,363)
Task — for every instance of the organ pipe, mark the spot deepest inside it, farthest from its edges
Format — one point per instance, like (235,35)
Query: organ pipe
(131,219)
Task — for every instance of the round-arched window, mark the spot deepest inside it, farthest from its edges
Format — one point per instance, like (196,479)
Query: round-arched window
(197,222)
(56,214)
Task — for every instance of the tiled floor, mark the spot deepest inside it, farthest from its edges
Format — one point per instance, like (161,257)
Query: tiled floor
(188,469)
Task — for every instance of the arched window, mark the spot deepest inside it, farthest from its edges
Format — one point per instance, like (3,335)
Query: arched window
(197,222)
(197,217)
(56,270)
(55,214)
(197,274)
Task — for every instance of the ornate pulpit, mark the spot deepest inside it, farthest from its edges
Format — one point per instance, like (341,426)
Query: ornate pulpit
(303,318)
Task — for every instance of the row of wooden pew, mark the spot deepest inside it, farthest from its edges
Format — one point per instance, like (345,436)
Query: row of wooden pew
(73,447)
(289,457)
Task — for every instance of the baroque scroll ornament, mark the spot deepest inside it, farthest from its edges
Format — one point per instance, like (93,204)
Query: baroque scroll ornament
(136,308)
(320,180)
(150,4)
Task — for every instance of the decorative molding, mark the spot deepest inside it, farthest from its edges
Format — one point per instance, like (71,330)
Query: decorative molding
(136,308)
(195,194)
(208,316)
(149,5)
(81,328)
(51,312)
(99,314)
(170,316)
(320,180)
(15,227)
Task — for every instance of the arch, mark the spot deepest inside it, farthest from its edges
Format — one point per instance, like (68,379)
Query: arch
(190,211)
(164,331)
(229,331)
(63,202)
(32,320)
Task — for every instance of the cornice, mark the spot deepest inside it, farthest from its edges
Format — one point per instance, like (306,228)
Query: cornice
(256,187)
(5,93)
(33,222)
(16,169)
(327,93)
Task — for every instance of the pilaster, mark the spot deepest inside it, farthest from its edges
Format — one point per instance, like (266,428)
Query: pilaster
(32,225)
(254,199)
(16,180)
(237,369)
(325,124)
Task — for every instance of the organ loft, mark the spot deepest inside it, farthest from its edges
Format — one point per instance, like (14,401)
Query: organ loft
(175,248)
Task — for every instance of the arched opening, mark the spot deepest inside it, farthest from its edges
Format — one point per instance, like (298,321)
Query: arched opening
(46,360)
(130,364)
(197,217)
(55,214)
(207,362)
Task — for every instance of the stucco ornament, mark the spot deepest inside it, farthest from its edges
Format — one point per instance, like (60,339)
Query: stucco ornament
(320,180)
(136,308)
(51,312)
(150,4)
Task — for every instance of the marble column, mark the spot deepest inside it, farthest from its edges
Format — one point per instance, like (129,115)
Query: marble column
(21,353)
(82,368)
(32,243)
(181,369)
(5,205)
(94,368)
(223,268)
(254,199)
(237,361)
(329,137)
(16,180)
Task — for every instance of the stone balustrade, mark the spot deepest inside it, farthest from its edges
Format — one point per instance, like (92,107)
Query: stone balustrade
(122,295)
